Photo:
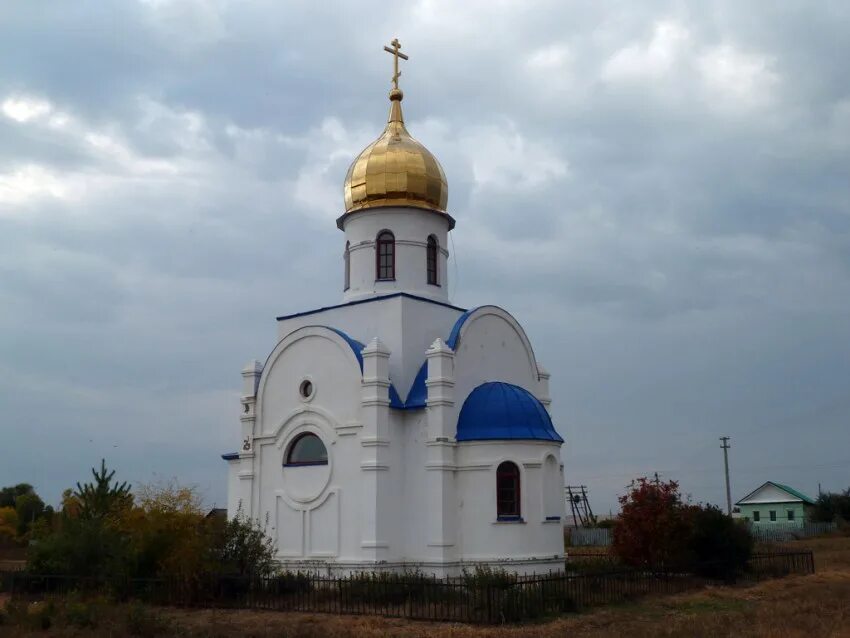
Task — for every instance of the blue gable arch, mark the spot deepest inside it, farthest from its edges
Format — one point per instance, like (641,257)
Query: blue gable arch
(417,397)
(498,411)
(357,347)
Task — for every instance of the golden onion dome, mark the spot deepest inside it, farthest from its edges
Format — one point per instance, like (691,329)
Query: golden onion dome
(395,170)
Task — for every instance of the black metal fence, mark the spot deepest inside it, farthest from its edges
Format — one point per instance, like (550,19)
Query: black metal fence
(480,598)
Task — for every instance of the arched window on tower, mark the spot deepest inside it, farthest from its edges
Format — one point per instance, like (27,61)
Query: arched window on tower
(385,253)
(507,492)
(432,251)
(347,259)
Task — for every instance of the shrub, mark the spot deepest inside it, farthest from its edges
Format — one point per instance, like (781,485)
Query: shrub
(652,528)
(39,615)
(484,576)
(143,621)
(103,535)
(656,529)
(389,588)
(82,547)
(242,547)
(718,546)
(80,614)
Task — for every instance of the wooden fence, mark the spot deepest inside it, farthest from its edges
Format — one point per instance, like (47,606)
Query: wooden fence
(783,532)
(588,536)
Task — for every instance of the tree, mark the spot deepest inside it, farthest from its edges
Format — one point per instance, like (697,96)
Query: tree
(652,527)
(29,508)
(104,532)
(8,523)
(82,547)
(88,539)
(167,532)
(71,506)
(103,497)
(243,547)
(832,507)
(9,494)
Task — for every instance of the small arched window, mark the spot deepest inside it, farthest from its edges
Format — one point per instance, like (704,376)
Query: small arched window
(307,449)
(347,258)
(507,491)
(385,253)
(432,251)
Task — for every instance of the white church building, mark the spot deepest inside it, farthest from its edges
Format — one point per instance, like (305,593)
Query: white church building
(396,430)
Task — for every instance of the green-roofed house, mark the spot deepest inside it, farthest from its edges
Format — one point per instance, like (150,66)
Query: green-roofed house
(775,503)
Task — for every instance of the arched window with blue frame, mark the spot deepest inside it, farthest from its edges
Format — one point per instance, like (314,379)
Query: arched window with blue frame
(508,503)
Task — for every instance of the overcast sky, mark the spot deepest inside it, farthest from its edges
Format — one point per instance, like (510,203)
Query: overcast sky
(658,191)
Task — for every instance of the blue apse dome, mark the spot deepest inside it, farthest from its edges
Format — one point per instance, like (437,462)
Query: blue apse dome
(498,411)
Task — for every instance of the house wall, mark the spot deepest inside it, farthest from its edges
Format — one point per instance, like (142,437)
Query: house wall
(781,510)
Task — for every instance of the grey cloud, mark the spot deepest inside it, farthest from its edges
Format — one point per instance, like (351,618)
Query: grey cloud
(685,275)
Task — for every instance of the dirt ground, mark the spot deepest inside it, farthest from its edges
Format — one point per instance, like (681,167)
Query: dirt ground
(810,606)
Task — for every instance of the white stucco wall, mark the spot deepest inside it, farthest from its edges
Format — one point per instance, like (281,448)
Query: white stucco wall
(390,474)
(406,325)
(411,228)
(304,506)
(482,536)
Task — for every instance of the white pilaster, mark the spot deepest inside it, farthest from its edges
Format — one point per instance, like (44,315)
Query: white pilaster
(374,455)
(543,387)
(441,463)
(248,418)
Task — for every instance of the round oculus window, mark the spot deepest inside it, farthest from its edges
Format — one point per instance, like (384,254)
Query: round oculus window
(306,389)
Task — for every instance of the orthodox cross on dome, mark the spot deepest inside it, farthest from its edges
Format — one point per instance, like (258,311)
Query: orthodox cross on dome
(396,55)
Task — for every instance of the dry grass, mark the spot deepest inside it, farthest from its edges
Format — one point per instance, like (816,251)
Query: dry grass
(810,606)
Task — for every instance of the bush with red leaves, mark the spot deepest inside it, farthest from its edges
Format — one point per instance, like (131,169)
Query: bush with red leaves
(652,528)
(657,529)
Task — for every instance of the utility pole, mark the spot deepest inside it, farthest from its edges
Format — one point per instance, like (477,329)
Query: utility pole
(725,447)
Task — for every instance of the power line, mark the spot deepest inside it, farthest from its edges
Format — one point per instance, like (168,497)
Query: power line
(705,470)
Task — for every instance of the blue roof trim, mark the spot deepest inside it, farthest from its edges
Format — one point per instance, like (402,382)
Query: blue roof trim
(355,345)
(395,400)
(357,348)
(454,335)
(230,456)
(370,300)
(418,395)
(501,411)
